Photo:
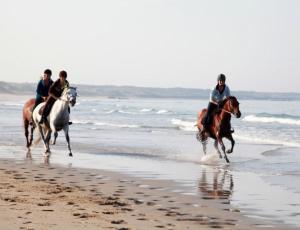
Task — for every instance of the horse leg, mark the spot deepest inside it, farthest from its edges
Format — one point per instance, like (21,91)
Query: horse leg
(232,144)
(55,136)
(26,125)
(31,134)
(66,130)
(48,136)
(204,144)
(223,149)
(43,137)
(216,147)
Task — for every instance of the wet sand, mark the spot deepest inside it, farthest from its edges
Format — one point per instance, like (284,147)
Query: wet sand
(39,196)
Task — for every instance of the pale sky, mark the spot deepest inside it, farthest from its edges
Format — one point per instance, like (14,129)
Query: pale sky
(155,43)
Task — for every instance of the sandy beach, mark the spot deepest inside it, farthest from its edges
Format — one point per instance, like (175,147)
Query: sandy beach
(39,196)
(137,165)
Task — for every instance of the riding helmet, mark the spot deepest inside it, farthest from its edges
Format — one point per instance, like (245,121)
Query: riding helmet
(221,77)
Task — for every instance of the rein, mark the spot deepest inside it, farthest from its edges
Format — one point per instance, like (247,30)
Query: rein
(226,111)
(61,99)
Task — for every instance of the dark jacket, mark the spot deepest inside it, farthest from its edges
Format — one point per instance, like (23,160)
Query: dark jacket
(42,90)
(57,89)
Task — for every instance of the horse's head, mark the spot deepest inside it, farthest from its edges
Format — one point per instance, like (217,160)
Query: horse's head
(71,95)
(232,105)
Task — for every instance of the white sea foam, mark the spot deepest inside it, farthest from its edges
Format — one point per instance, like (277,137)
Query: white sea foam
(11,104)
(210,159)
(161,111)
(116,125)
(184,125)
(264,140)
(86,122)
(110,111)
(146,110)
(126,112)
(288,121)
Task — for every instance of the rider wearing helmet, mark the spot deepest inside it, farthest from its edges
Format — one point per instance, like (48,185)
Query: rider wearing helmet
(218,94)
(55,92)
(42,89)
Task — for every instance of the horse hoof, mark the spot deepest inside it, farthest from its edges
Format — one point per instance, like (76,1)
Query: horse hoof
(70,154)
(228,151)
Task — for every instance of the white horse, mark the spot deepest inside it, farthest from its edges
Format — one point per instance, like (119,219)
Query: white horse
(58,118)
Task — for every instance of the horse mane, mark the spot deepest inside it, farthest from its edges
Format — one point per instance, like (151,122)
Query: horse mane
(65,90)
(227,99)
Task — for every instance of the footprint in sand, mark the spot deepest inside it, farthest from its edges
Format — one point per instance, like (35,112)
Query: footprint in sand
(143,219)
(127,209)
(108,213)
(150,203)
(118,222)
(44,204)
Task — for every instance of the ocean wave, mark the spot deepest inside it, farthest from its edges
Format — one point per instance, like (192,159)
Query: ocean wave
(184,125)
(116,125)
(105,124)
(267,141)
(111,111)
(179,124)
(289,120)
(146,110)
(161,111)
(139,111)
(119,111)
(11,104)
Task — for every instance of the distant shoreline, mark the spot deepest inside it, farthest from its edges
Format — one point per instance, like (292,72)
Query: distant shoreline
(147,92)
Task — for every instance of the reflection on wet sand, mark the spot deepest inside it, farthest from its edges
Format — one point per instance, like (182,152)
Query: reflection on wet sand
(28,154)
(216,184)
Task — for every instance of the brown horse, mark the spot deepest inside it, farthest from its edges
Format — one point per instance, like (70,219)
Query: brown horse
(27,110)
(220,126)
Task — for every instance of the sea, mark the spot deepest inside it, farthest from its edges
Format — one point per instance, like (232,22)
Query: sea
(156,139)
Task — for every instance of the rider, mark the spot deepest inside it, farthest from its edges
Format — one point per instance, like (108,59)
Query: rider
(218,94)
(55,92)
(42,89)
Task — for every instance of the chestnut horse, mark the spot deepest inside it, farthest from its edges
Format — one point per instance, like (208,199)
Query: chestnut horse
(27,110)
(220,126)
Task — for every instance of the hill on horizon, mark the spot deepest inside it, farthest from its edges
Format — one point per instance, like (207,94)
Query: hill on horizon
(146,92)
